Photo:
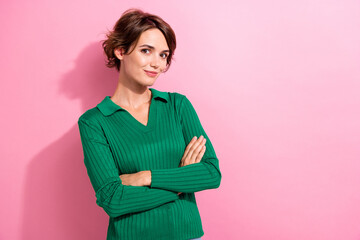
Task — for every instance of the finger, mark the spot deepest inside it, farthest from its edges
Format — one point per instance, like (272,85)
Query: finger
(194,143)
(193,150)
(188,147)
(200,155)
(185,162)
(195,146)
(197,150)
(196,155)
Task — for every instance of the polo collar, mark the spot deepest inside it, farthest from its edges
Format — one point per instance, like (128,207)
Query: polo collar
(108,107)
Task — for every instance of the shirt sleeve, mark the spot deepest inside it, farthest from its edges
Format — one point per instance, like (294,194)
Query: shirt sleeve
(115,198)
(193,177)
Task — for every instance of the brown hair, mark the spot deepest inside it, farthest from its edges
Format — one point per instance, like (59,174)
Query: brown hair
(127,31)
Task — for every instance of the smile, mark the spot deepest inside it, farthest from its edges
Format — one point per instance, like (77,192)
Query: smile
(150,73)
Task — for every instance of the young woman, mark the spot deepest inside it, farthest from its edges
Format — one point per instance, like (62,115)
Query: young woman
(145,150)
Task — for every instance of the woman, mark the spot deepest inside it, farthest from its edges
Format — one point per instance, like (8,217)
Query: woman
(145,150)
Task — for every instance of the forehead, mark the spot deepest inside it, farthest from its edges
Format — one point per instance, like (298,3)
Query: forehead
(153,37)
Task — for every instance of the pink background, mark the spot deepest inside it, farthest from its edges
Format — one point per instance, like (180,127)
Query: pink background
(276,85)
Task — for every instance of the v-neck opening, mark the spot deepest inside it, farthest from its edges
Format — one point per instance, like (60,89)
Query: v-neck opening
(152,116)
(130,120)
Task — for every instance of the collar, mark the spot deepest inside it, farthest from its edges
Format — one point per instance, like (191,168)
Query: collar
(108,107)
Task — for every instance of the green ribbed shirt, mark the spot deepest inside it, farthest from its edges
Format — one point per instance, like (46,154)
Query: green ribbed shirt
(115,143)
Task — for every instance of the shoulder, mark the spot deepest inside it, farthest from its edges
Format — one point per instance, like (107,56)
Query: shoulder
(167,96)
(91,115)
(180,102)
(177,98)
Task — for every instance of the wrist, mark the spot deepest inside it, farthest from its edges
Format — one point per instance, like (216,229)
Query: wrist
(147,178)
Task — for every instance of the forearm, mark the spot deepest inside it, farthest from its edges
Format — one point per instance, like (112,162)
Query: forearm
(142,178)
(117,199)
(191,178)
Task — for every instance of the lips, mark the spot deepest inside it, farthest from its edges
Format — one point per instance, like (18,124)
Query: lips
(150,72)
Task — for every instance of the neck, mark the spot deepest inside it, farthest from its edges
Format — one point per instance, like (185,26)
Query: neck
(131,95)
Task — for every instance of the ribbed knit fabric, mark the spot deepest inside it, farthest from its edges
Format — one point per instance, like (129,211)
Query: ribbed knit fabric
(115,143)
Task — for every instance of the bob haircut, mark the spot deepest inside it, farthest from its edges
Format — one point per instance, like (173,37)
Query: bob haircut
(127,31)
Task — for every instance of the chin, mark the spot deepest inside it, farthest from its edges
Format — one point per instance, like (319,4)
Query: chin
(147,84)
(150,82)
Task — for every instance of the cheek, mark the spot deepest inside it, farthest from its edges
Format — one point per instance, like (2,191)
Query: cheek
(163,65)
(141,60)
(135,65)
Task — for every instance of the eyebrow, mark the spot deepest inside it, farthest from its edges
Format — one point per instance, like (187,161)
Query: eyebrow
(151,47)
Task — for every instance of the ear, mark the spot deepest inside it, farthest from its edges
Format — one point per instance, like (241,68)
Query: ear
(119,52)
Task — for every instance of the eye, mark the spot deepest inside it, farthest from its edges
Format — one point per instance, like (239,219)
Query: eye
(165,56)
(145,49)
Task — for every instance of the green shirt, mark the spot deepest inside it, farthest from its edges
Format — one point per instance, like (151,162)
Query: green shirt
(115,143)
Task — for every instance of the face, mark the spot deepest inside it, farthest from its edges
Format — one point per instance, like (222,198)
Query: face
(150,55)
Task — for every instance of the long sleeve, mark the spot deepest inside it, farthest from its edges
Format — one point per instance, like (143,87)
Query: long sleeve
(115,198)
(194,177)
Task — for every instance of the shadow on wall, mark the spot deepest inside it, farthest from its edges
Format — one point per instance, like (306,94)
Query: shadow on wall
(59,202)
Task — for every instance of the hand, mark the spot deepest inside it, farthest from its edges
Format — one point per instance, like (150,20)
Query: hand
(194,151)
(141,178)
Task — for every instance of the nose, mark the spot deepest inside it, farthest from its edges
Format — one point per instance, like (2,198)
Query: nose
(155,62)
